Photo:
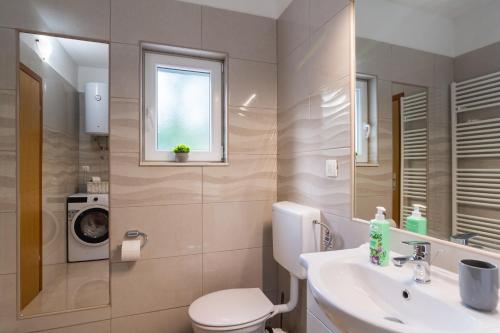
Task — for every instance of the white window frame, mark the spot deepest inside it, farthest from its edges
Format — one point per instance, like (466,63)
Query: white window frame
(366,132)
(362,124)
(156,56)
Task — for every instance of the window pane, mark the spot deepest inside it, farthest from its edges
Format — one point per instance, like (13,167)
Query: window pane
(184,102)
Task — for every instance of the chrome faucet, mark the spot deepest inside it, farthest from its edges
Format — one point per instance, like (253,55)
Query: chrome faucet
(421,258)
(463,238)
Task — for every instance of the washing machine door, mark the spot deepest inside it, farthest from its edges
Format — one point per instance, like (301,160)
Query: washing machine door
(90,226)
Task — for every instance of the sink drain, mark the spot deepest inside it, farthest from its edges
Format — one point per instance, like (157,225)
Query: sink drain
(394,319)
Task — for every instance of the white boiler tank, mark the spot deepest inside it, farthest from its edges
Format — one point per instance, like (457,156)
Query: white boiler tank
(96,108)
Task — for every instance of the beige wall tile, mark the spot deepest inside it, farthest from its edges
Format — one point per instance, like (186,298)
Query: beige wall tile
(364,206)
(443,71)
(293,27)
(348,234)
(8,241)
(293,79)
(330,115)
(97,327)
(54,236)
(155,284)
(294,128)
(248,223)
(248,177)
(173,230)
(7,181)
(412,66)
(88,19)
(249,268)
(241,35)
(62,320)
(252,84)
(321,122)
(320,11)
(132,185)
(160,21)
(301,178)
(7,119)
(373,57)
(328,63)
(124,70)
(7,63)
(171,321)
(124,124)
(8,316)
(252,131)
(476,63)
(8,303)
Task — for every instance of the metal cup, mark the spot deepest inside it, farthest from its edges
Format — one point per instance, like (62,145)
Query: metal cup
(478,282)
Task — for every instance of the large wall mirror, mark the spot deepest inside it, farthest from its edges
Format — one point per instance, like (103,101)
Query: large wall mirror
(63,174)
(427,121)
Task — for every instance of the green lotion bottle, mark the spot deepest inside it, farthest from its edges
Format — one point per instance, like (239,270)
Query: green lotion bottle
(380,232)
(416,222)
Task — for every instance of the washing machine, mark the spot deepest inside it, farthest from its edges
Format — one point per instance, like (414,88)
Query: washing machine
(88,227)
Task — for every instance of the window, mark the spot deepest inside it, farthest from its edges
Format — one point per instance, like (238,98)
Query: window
(183,100)
(366,119)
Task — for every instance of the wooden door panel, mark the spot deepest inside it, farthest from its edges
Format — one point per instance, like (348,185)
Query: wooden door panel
(30,184)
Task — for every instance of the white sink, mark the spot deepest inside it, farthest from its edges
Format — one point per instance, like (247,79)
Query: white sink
(359,297)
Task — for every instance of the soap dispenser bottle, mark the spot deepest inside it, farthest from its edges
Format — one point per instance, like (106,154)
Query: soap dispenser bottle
(379,238)
(416,222)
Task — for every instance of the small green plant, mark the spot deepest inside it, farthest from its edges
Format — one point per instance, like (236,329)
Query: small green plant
(182,148)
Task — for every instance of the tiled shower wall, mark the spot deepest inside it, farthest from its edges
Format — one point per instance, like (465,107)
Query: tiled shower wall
(209,227)
(314,115)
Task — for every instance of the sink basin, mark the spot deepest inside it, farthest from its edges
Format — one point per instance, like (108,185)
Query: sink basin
(360,297)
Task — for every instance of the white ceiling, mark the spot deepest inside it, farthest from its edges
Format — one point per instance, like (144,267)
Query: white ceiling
(86,54)
(267,8)
(446,8)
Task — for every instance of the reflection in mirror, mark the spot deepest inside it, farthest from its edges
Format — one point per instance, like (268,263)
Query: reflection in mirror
(427,121)
(63,174)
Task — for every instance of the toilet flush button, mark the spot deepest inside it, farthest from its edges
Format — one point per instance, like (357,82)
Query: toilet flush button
(331,168)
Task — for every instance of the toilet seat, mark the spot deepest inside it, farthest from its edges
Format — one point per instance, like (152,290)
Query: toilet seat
(231,308)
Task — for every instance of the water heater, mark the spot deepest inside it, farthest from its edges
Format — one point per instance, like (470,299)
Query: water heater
(96,108)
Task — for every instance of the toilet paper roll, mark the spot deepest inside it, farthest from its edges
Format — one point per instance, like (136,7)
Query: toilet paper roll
(96,179)
(131,250)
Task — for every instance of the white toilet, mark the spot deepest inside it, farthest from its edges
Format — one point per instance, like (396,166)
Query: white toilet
(246,310)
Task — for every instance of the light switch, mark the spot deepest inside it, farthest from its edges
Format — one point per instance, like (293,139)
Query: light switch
(331,168)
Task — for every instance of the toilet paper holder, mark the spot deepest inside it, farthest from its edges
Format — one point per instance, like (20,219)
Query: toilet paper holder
(136,234)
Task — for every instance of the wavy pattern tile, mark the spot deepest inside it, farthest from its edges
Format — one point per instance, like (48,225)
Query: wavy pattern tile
(155,284)
(7,181)
(60,179)
(132,185)
(319,122)
(124,124)
(247,268)
(252,131)
(7,120)
(301,178)
(59,146)
(174,230)
(248,177)
(8,243)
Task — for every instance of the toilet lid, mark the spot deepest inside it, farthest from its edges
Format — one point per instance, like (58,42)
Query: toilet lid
(230,307)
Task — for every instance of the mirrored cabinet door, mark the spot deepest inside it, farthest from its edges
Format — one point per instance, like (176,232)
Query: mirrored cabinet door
(63,174)
(427,122)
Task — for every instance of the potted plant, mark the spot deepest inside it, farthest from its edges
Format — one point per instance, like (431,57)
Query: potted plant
(181,153)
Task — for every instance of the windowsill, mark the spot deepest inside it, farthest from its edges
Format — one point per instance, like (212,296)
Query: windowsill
(183,164)
(367,164)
